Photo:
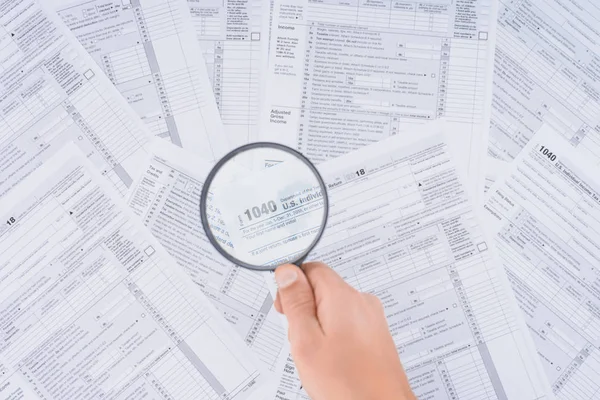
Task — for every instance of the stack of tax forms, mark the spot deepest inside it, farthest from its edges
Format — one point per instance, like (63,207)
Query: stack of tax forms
(475,218)
(91,304)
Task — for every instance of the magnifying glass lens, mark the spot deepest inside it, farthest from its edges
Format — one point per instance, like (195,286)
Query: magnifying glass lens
(265,206)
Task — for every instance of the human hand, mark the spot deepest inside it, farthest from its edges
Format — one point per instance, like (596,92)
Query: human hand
(339,337)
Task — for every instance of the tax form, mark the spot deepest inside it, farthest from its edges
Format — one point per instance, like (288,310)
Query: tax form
(493,171)
(401,227)
(148,50)
(346,73)
(234,43)
(546,216)
(547,73)
(167,198)
(93,307)
(53,93)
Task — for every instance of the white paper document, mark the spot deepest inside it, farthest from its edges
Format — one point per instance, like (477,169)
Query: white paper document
(494,169)
(167,198)
(343,74)
(53,93)
(234,43)
(148,50)
(401,227)
(547,73)
(546,216)
(92,307)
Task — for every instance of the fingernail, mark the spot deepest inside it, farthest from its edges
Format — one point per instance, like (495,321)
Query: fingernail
(285,277)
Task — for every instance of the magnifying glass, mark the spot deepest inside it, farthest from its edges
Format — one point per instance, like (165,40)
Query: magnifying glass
(264,205)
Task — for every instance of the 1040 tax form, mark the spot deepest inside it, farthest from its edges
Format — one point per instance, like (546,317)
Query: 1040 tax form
(547,73)
(53,93)
(546,216)
(343,74)
(167,198)
(149,52)
(91,305)
(234,39)
(401,227)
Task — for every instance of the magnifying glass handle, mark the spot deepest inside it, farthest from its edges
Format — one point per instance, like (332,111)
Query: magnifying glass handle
(298,263)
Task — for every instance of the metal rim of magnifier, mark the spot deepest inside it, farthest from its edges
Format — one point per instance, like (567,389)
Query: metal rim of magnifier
(213,173)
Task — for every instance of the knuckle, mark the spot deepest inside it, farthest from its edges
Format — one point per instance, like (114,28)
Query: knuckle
(314,264)
(298,308)
(316,270)
(298,304)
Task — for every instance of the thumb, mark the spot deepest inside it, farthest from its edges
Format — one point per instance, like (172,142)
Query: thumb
(297,301)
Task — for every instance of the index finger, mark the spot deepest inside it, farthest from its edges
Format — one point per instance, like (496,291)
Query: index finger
(324,280)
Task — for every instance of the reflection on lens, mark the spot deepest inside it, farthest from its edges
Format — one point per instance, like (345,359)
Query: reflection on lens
(266,207)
